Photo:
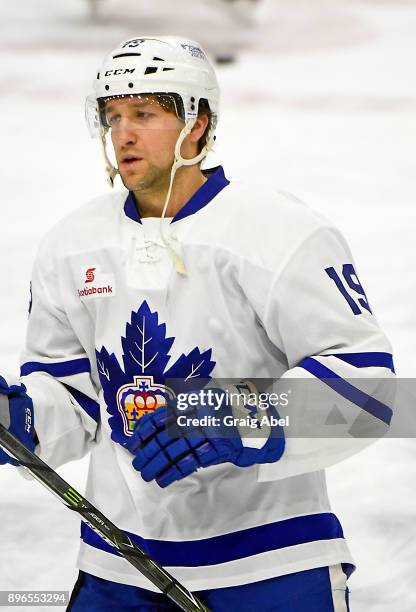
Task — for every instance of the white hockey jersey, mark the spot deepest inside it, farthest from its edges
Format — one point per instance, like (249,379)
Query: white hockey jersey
(270,291)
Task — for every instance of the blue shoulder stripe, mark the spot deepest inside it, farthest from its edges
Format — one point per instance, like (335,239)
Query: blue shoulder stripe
(344,388)
(64,368)
(231,546)
(90,406)
(366,360)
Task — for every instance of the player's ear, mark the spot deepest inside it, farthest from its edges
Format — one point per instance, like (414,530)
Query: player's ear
(199,128)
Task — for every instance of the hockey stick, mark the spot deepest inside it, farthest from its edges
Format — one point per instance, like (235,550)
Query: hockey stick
(100,524)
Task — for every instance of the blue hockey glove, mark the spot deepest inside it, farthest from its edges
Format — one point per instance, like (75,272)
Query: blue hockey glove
(169,444)
(16,415)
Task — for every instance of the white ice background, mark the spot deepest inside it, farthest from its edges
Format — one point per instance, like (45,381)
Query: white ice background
(321,103)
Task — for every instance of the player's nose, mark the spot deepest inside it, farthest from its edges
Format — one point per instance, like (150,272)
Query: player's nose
(125,132)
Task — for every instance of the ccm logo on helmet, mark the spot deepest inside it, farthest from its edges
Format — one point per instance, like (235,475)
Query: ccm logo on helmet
(89,275)
(119,71)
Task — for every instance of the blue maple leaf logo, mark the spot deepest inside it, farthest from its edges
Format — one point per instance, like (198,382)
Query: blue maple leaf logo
(143,379)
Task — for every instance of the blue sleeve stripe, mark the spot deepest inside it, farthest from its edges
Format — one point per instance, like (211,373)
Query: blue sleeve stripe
(344,388)
(64,368)
(231,546)
(90,406)
(366,360)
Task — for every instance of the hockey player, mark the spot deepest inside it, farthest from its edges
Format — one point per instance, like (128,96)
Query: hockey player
(186,276)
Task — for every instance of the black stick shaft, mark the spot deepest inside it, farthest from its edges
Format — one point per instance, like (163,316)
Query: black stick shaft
(100,524)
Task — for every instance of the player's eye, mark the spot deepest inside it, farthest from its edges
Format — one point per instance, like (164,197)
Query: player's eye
(112,120)
(144,115)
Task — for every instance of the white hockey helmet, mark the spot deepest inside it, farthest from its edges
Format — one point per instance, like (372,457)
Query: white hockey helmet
(156,65)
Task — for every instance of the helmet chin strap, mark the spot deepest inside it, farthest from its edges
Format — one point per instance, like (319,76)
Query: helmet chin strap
(110,170)
(179,161)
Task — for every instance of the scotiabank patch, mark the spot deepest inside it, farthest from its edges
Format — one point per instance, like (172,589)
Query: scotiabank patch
(95,291)
(96,284)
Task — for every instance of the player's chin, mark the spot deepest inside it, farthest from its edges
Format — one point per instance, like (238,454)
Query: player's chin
(130,178)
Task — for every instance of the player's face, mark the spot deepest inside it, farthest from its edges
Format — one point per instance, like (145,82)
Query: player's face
(144,136)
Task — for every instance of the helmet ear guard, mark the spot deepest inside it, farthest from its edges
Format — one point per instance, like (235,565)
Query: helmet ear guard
(92,116)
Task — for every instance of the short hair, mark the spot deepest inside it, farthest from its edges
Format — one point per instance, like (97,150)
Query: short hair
(172,103)
(204,109)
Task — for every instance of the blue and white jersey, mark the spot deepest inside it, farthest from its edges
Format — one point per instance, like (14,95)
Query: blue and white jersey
(270,291)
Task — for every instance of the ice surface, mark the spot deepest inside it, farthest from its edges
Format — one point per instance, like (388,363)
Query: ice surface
(321,103)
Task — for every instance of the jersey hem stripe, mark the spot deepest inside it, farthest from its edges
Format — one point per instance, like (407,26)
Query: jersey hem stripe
(243,571)
(231,546)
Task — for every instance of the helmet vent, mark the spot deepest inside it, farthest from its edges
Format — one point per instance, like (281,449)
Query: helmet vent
(126,55)
(158,59)
(151,70)
(165,69)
